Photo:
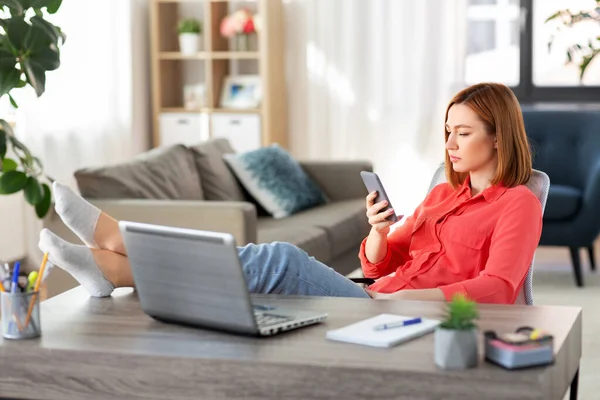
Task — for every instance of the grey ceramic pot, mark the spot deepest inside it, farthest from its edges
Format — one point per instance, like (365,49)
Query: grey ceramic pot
(455,349)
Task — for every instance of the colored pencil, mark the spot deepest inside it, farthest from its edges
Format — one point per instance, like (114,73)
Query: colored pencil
(38,283)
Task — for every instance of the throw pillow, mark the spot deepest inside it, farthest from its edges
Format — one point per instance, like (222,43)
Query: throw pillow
(276,180)
(162,173)
(218,182)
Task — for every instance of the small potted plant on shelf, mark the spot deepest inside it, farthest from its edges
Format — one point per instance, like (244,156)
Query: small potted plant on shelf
(189,30)
(455,339)
(242,25)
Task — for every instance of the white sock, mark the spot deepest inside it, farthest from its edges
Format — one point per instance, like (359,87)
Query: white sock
(47,270)
(78,261)
(79,215)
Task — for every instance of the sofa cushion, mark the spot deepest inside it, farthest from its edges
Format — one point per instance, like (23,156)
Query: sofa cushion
(275,180)
(311,239)
(163,173)
(563,202)
(218,182)
(344,222)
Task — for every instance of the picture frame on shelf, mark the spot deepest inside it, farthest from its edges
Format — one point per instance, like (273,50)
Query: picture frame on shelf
(241,92)
(194,96)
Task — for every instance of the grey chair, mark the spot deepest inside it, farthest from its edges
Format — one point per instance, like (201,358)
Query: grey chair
(539,184)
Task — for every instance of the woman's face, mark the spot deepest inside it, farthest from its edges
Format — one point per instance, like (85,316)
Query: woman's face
(470,146)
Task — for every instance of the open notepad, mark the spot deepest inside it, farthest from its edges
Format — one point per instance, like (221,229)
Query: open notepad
(363,332)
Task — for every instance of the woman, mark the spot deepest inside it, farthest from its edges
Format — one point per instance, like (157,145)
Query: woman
(475,234)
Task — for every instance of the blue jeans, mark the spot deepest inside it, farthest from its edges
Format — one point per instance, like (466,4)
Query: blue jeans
(283,268)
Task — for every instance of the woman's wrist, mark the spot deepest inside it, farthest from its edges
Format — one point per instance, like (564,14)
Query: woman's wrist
(378,234)
(376,246)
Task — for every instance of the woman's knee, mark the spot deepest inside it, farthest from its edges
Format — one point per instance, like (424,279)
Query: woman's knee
(288,256)
(278,256)
(287,249)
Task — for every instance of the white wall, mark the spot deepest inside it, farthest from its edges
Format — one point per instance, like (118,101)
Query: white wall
(370,80)
(128,131)
(12,228)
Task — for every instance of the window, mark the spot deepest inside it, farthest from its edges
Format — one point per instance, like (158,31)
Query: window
(493,42)
(508,43)
(549,68)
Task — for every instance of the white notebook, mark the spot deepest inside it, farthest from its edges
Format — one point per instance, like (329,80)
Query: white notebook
(363,332)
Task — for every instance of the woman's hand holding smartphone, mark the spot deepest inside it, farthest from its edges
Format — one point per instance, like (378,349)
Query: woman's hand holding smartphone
(380,212)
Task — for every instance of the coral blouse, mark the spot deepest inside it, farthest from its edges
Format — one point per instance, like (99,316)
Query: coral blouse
(479,245)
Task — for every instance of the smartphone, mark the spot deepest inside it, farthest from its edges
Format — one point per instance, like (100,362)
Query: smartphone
(373,184)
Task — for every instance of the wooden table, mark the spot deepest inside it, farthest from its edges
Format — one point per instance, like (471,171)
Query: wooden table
(109,349)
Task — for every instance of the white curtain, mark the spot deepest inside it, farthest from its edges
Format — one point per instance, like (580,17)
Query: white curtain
(370,80)
(95,110)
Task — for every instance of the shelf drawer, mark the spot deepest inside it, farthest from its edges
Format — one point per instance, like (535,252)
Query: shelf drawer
(242,130)
(184,128)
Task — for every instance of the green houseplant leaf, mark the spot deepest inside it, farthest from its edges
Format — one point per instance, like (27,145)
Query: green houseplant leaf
(577,54)
(29,47)
(7,60)
(43,206)
(16,31)
(52,32)
(14,5)
(586,62)
(9,80)
(7,164)
(12,182)
(36,67)
(34,193)
(54,6)
(189,25)
(39,3)
(461,314)
(2,144)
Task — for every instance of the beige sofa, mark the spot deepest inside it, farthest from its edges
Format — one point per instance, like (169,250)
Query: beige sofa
(331,232)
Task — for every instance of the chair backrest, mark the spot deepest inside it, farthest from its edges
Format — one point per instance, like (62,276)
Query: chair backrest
(564,141)
(539,184)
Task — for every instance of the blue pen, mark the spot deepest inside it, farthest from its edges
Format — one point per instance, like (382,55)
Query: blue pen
(15,278)
(391,325)
(13,289)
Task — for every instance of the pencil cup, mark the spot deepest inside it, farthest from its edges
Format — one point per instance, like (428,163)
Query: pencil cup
(21,315)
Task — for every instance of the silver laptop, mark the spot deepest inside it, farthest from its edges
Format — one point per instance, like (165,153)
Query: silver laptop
(195,278)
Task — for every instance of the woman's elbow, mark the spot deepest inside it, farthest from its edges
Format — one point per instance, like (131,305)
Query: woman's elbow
(506,293)
(371,272)
(495,290)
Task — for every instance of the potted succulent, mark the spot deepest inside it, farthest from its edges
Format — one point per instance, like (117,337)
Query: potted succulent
(455,341)
(189,30)
(29,47)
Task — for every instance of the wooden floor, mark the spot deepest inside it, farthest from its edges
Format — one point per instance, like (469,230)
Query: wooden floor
(553,284)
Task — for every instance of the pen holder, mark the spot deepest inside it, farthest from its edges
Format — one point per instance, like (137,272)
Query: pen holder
(21,315)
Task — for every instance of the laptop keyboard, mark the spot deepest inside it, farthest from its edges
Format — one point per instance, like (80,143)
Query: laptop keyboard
(266,319)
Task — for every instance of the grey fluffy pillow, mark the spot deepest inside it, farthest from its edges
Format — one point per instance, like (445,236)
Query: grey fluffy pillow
(163,173)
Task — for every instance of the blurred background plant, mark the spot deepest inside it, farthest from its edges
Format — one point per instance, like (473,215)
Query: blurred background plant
(189,25)
(29,47)
(582,54)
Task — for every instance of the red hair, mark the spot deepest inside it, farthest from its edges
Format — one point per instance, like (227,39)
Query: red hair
(499,109)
